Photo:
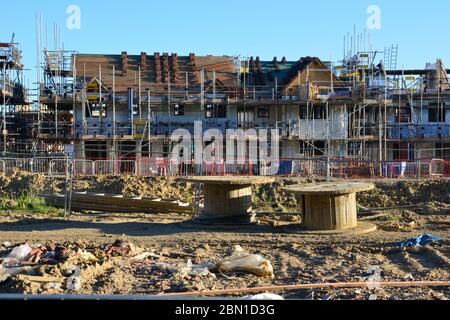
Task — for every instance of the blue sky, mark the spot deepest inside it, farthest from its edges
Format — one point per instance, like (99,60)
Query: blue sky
(291,28)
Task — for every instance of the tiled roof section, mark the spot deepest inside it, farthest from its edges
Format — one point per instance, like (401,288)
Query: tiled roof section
(155,69)
(264,72)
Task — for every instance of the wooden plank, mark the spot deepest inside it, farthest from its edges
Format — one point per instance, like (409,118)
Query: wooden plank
(43,279)
(231,180)
(331,188)
(398,284)
(107,203)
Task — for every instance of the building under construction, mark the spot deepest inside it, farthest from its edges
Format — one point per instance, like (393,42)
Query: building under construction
(125,107)
(16,112)
(122,104)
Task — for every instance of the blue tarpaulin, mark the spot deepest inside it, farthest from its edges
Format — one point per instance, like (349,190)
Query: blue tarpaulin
(421,240)
(285,168)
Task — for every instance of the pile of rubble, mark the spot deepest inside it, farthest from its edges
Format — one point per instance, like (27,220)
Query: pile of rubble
(78,268)
(266,198)
(238,269)
(158,187)
(403,193)
(55,268)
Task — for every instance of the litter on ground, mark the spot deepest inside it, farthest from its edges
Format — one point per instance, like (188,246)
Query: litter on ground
(421,240)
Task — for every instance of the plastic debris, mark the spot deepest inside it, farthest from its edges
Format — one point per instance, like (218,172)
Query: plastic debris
(242,261)
(19,253)
(31,255)
(409,277)
(7,244)
(6,273)
(421,240)
(188,269)
(52,285)
(239,261)
(264,296)
(144,255)
(73,283)
(73,271)
(87,256)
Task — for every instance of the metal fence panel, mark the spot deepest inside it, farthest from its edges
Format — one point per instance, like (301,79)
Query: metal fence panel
(58,167)
(2,166)
(321,168)
(83,167)
(115,167)
(152,167)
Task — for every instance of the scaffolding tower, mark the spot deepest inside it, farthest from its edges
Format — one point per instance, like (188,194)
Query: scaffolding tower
(13,98)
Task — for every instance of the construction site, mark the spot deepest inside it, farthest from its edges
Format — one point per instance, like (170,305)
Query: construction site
(117,113)
(354,206)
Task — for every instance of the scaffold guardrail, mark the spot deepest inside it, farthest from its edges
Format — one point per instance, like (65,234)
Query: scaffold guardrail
(164,167)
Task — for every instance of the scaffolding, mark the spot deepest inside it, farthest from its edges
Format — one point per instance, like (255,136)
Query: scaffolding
(13,98)
(363,92)
(53,128)
(125,107)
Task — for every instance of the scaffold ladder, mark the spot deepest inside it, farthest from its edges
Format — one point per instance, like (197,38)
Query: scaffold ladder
(390,57)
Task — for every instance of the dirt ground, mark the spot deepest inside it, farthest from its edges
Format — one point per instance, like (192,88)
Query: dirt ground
(388,193)
(296,258)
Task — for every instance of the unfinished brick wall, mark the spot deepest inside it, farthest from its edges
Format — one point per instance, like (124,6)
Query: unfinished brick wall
(157,67)
(124,63)
(193,68)
(165,67)
(143,63)
(175,69)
